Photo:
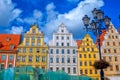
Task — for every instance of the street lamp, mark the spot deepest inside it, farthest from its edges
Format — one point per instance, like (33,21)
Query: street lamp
(96,26)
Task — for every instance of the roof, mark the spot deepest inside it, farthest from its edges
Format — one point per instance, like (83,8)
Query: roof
(6,40)
(78,43)
(101,37)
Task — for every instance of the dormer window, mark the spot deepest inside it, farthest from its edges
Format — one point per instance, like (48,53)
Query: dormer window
(11,46)
(33,31)
(7,39)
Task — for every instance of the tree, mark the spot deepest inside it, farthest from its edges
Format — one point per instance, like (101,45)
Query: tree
(101,64)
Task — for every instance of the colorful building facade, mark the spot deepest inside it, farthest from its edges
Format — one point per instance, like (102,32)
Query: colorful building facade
(62,51)
(33,50)
(8,50)
(111,52)
(87,55)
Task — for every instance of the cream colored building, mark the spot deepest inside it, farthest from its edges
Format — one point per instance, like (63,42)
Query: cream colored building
(111,53)
(33,50)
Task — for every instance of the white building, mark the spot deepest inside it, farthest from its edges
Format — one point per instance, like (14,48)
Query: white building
(62,51)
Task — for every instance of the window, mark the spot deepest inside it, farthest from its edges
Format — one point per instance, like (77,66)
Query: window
(95,71)
(80,55)
(108,44)
(67,38)
(111,68)
(30,58)
(62,38)
(85,63)
(33,30)
(2,66)
(90,71)
(80,63)
(18,58)
(10,65)
(11,57)
(11,46)
(24,50)
(38,37)
(94,56)
(109,50)
(88,49)
(51,51)
(30,50)
(113,43)
(33,43)
(3,57)
(63,60)
(68,51)
(68,44)
(87,44)
(68,60)
(92,49)
(27,44)
(38,43)
(63,69)
(62,51)
(110,58)
(37,50)
(57,68)
(51,60)
(51,68)
(57,37)
(27,38)
(33,38)
(84,55)
(113,37)
(43,59)
(83,49)
(62,44)
(57,60)
(37,58)
(19,49)
(89,55)
(57,44)
(81,72)
(116,37)
(74,60)
(74,70)
(86,72)
(114,50)
(23,59)
(68,70)
(87,39)
(90,63)
(62,30)
(116,59)
(104,50)
(117,68)
(43,50)
(73,51)
(57,51)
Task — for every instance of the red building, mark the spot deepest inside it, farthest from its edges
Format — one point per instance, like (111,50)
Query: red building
(8,50)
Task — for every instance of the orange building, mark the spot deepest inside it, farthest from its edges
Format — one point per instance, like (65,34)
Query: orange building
(8,50)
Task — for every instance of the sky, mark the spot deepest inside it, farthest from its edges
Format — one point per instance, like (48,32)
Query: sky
(16,16)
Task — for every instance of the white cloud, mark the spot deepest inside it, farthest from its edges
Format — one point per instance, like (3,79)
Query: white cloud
(72,19)
(8,12)
(35,18)
(15,30)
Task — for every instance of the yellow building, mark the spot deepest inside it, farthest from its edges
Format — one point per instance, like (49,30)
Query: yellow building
(33,50)
(87,54)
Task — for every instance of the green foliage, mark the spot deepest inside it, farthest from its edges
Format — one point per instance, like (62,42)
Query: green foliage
(101,64)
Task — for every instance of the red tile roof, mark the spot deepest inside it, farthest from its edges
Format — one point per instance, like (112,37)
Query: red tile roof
(78,43)
(9,39)
(101,37)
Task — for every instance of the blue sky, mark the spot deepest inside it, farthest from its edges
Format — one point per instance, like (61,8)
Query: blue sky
(16,16)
